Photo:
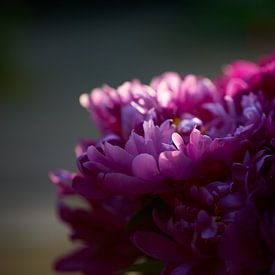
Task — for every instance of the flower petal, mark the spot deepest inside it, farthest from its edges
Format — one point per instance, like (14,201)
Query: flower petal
(157,247)
(175,165)
(118,183)
(144,166)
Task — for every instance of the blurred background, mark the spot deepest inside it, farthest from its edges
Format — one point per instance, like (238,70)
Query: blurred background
(51,52)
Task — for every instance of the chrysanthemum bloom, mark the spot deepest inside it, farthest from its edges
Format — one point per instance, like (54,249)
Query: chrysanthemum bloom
(183,174)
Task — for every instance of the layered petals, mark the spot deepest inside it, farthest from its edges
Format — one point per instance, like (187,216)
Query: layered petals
(182,176)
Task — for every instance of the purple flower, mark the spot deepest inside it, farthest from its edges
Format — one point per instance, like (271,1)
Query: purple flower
(252,233)
(146,163)
(100,224)
(169,96)
(243,76)
(194,224)
(183,174)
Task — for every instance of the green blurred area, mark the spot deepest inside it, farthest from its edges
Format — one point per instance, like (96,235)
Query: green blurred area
(51,52)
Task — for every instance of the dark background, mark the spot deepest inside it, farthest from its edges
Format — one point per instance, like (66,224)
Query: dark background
(51,52)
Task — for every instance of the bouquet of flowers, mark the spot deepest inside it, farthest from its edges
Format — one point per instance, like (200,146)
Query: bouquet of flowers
(182,179)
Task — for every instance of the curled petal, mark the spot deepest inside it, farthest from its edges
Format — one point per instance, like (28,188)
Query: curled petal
(198,144)
(178,141)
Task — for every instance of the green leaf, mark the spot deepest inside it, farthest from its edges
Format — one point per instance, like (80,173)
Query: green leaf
(150,266)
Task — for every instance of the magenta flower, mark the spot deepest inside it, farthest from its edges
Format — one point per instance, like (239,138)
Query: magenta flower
(243,76)
(101,225)
(182,176)
(252,233)
(169,96)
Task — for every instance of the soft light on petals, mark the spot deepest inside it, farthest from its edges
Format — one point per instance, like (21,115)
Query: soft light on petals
(175,165)
(144,166)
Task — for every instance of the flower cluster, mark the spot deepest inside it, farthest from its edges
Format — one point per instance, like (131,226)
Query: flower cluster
(182,179)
